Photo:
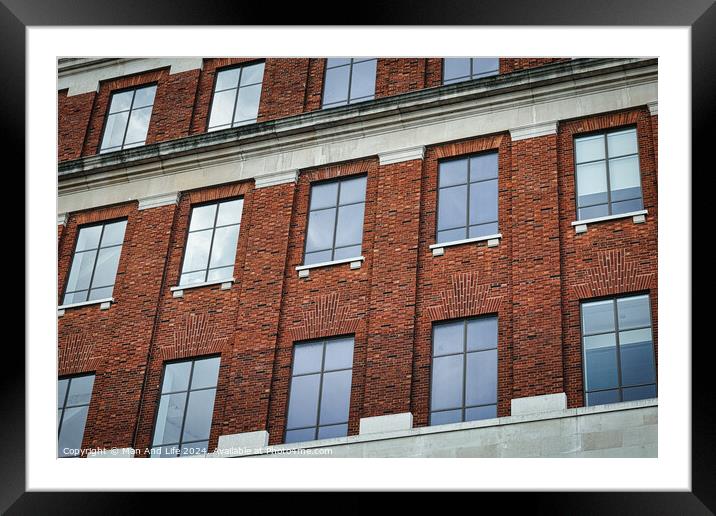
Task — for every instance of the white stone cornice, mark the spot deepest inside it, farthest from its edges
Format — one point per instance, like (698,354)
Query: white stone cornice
(534,130)
(155,201)
(653,107)
(289,176)
(400,155)
(61,219)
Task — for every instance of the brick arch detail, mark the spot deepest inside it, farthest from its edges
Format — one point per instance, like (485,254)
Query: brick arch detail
(613,274)
(76,355)
(465,297)
(325,317)
(194,335)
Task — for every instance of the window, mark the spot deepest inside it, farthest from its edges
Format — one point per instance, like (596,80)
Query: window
(95,261)
(458,69)
(236,97)
(608,178)
(618,350)
(320,390)
(185,408)
(128,119)
(464,371)
(335,220)
(73,399)
(467,198)
(349,80)
(211,242)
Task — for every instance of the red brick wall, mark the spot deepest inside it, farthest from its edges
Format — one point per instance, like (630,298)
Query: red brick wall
(74,115)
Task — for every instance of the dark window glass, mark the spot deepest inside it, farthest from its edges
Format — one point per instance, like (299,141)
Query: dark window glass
(320,390)
(95,261)
(618,350)
(73,399)
(464,370)
(128,119)
(349,80)
(608,178)
(211,243)
(467,198)
(185,409)
(335,220)
(236,97)
(458,69)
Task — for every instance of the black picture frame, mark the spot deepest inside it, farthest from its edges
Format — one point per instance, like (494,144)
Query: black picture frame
(699,15)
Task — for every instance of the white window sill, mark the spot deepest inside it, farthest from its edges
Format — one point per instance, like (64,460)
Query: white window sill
(304,270)
(492,241)
(639,217)
(178,291)
(104,304)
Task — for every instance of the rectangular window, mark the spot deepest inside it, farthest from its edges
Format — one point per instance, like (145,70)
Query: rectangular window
(95,261)
(467,197)
(236,96)
(619,362)
(464,371)
(211,243)
(128,119)
(73,399)
(186,407)
(608,177)
(349,80)
(320,390)
(458,69)
(335,220)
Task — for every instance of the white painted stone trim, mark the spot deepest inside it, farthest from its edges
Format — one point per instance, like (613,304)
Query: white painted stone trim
(533,131)
(62,219)
(639,217)
(400,155)
(104,305)
(653,107)
(492,241)
(538,404)
(290,176)
(241,444)
(112,453)
(178,291)
(303,270)
(155,201)
(386,423)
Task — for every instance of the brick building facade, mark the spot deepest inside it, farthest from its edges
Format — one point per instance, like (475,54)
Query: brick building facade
(534,274)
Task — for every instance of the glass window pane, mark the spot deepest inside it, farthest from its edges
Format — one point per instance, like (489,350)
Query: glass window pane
(481,333)
(106,269)
(81,271)
(226,79)
(320,230)
(72,431)
(602,397)
(453,172)
(222,273)
(478,413)
(443,418)
(303,405)
(598,317)
(452,205)
(328,432)
(202,217)
(455,68)
(247,107)
(100,293)
(298,436)
(633,312)
(324,195)
(347,252)
(206,372)
(448,338)
(121,101)
(589,148)
(627,206)
(223,250)
(339,354)
(592,183)
(308,357)
(196,255)
(483,230)
(230,212)
(144,97)
(481,378)
(335,397)
(452,235)
(59,417)
(319,257)
(75,297)
(637,357)
(483,66)
(337,61)
(336,85)
(80,390)
(639,393)
(88,238)
(114,233)
(483,167)
(198,448)
(138,125)
(600,362)
(61,391)
(363,79)
(349,230)
(624,178)
(601,210)
(252,74)
(483,202)
(621,143)
(169,418)
(447,382)
(199,412)
(114,130)
(176,377)
(222,108)
(353,190)
(193,277)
